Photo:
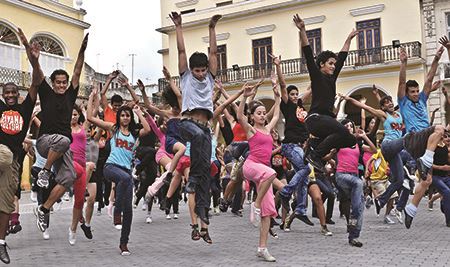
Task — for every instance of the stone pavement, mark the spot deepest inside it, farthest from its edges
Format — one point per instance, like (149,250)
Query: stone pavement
(167,242)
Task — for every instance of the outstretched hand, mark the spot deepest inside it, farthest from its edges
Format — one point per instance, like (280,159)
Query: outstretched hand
(439,52)
(176,18)
(353,33)
(23,39)
(436,85)
(360,133)
(166,73)
(113,75)
(218,84)
(214,20)
(375,90)
(299,23)
(123,81)
(403,55)
(276,92)
(249,90)
(84,43)
(140,84)
(444,42)
(275,60)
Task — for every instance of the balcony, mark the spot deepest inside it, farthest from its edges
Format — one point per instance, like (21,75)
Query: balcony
(297,67)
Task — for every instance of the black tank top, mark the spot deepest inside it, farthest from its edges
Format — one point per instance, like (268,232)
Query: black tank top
(440,158)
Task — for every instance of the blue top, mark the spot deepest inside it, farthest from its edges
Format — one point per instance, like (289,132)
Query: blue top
(415,115)
(187,153)
(393,127)
(122,147)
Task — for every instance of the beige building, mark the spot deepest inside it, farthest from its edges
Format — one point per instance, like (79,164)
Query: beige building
(56,24)
(250,29)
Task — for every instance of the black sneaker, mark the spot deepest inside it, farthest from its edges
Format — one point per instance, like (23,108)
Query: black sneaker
(41,218)
(314,159)
(87,231)
(237,213)
(168,178)
(15,228)
(4,256)
(223,205)
(329,221)
(282,226)
(355,243)
(273,222)
(304,219)
(285,203)
(43,178)
(408,219)
(448,224)
(422,169)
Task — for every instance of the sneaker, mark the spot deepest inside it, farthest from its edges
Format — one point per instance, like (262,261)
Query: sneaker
(355,243)
(430,206)
(377,206)
(273,233)
(237,213)
(175,216)
(388,220)
(46,235)
(330,221)
(15,228)
(33,196)
(264,253)
(287,223)
(99,212)
(398,215)
(4,256)
(41,218)
(216,210)
(255,215)
(168,217)
(369,202)
(66,196)
(408,219)
(43,178)
(314,159)
(422,169)
(324,231)
(148,219)
(72,237)
(87,231)
(144,205)
(285,202)
(304,219)
(117,221)
(124,250)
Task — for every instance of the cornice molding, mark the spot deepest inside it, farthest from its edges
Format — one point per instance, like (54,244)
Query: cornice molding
(186,3)
(314,20)
(366,10)
(48,13)
(219,37)
(69,8)
(260,29)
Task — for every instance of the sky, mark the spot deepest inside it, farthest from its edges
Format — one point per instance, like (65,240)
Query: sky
(119,28)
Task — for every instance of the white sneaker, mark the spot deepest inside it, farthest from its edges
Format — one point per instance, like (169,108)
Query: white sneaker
(175,216)
(148,219)
(168,217)
(388,220)
(46,235)
(72,237)
(33,196)
(264,253)
(118,226)
(144,205)
(398,215)
(66,196)
(216,211)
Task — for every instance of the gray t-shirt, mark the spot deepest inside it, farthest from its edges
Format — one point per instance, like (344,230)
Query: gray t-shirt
(197,94)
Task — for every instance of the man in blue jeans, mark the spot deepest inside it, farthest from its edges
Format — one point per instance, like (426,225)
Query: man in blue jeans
(295,135)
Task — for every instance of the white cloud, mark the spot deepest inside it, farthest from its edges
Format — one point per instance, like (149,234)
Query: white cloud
(119,28)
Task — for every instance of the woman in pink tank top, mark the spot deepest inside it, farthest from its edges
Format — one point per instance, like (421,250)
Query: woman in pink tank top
(257,166)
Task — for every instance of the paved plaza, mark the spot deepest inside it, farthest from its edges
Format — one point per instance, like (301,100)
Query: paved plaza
(167,242)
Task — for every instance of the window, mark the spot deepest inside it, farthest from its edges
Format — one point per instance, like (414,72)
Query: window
(314,40)
(52,57)
(369,41)
(221,57)
(261,59)
(187,11)
(9,48)
(447,16)
(224,3)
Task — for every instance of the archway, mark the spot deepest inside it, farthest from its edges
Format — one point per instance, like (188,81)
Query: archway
(9,48)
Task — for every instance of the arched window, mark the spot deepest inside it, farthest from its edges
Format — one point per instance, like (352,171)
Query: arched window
(9,47)
(52,53)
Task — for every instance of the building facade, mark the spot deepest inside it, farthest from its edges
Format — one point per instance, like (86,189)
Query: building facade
(57,25)
(251,29)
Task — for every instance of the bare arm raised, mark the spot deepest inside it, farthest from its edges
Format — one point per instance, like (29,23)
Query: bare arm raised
(79,63)
(182,57)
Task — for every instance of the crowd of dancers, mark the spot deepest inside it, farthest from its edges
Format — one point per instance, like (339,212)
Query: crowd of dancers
(203,144)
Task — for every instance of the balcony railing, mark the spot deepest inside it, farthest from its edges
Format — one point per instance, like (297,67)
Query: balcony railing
(296,67)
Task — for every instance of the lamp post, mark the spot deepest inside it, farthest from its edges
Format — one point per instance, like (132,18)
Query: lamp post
(132,67)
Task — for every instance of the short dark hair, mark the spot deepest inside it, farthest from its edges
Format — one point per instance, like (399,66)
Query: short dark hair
(198,60)
(116,99)
(384,99)
(290,88)
(324,56)
(59,72)
(10,84)
(345,121)
(81,118)
(169,97)
(411,83)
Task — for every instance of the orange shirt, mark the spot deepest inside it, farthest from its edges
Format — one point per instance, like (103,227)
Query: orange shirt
(239,133)
(109,114)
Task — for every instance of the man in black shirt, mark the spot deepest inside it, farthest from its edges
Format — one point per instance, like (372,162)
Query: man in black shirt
(55,134)
(14,122)
(295,135)
(321,121)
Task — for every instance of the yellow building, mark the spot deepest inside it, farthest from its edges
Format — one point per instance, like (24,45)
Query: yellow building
(56,24)
(250,29)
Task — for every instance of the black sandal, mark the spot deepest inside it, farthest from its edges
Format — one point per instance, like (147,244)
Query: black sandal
(195,235)
(205,235)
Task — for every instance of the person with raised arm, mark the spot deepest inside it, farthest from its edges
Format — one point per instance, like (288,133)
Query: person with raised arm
(197,84)
(321,121)
(124,135)
(257,165)
(110,110)
(14,123)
